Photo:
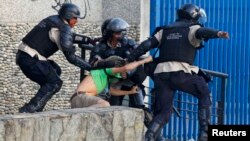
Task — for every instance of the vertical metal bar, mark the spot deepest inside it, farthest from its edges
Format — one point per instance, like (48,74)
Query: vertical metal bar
(229,64)
(221,103)
(82,75)
(182,130)
(241,71)
(190,116)
(247,90)
(244,56)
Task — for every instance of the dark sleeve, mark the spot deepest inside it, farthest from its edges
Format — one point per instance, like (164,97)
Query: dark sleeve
(130,46)
(96,58)
(145,46)
(206,33)
(95,54)
(132,43)
(66,42)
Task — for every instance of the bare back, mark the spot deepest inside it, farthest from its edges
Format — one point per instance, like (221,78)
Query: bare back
(87,85)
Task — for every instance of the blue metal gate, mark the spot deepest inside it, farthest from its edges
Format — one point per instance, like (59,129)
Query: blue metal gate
(228,56)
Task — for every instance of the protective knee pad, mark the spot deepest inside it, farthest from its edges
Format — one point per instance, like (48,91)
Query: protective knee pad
(58,85)
(56,67)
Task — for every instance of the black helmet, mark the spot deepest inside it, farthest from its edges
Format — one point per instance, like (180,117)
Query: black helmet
(68,11)
(189,12)
(114,25)
(104,25)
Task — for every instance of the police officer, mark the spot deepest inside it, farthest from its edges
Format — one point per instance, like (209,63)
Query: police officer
(114,42)
(50,35)
(178,43)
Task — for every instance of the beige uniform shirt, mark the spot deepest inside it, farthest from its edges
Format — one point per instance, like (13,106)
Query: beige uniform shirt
(173,66)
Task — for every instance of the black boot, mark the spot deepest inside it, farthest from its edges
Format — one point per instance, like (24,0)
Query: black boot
(148,116)
(38,102)
(31,106)
(204,121)
(153,130)
(41,104)
(160,137)
(27,108)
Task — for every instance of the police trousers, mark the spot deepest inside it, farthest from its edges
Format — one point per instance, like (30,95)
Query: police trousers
(45,73)
(167,83)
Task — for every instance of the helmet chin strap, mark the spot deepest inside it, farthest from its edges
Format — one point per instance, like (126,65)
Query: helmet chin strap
(70,24)
(67,20)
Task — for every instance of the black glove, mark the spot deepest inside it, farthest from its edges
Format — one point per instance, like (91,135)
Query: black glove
(82,39)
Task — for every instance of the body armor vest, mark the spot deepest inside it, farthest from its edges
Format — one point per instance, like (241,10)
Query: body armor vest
(38,38)
(175,45)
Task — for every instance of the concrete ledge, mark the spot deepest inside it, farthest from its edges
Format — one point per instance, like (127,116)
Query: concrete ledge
(86,124)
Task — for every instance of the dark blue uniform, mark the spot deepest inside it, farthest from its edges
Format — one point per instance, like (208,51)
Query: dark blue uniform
(42,71)
(176,48)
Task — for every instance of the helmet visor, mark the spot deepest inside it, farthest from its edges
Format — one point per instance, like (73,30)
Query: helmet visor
(203,17)
(117,25)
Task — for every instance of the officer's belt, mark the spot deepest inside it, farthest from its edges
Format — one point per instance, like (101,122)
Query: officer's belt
(25,48)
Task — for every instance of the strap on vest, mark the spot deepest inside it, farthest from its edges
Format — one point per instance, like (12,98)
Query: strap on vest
(32,52)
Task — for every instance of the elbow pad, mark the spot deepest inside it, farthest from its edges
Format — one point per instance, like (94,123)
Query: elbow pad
(66,38)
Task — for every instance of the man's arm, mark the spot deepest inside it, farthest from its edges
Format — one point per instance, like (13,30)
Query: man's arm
(132,65)
(118,92)
(208,33)
(95,55)
(82,39)
(66,42)
(145,46)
